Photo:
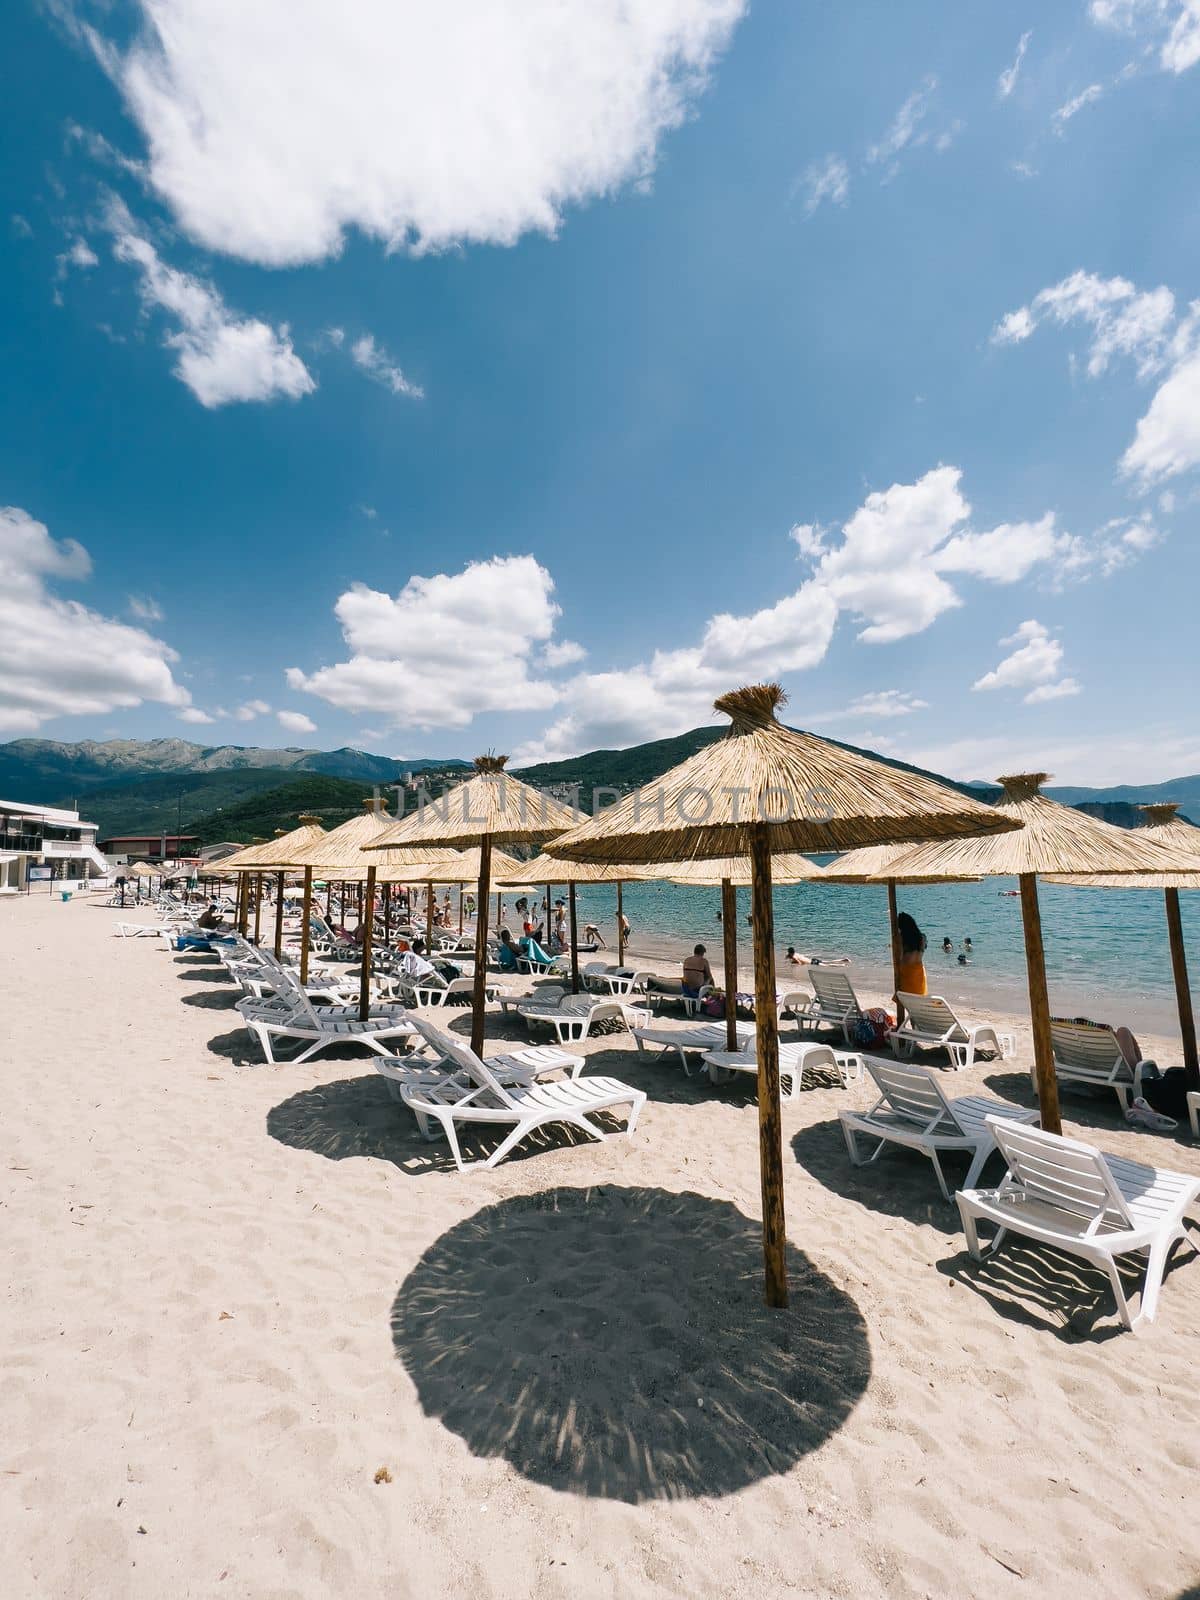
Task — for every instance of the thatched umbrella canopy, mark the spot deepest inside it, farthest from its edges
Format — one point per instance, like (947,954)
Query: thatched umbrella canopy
(870,865)
(458,867)
(270,857)
(765,790)
(1053,839)
(1165,827)
(492,808)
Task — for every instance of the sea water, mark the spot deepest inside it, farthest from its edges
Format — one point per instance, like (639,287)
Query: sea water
(1107,954)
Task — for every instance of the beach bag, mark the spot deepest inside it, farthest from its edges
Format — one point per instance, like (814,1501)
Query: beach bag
(713,1005)
(873,1027)
(1167,1094)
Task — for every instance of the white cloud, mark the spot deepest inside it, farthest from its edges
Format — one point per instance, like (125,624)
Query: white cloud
(194,714)
(1023,169)
(221,357)
(145,608)
(295,722)
(828,179)
(879,703)
(1167,440)
(21,226)
(1099,755)
(563,653)
(1143,326)
(906,126)
(886,572)
(1123,321)
(270,133)
(1075,105)
(1035,665)
(1007,80)
(445,648)
(1174,23)
(79,255)
(57,658)
(377,364)
(252,709)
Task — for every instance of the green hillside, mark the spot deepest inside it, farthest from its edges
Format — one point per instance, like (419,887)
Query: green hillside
(258,816)
(624,770)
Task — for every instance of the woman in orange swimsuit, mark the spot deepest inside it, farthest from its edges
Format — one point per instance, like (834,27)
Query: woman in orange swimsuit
(911,977)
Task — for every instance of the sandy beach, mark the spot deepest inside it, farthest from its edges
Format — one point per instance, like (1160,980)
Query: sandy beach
(258,1339)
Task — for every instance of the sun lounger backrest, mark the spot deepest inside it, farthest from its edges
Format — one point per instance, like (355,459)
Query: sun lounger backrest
(1064,1173)
(914,1094)
(1083,1045)
(833,989)
(929,1013)
(461,1055)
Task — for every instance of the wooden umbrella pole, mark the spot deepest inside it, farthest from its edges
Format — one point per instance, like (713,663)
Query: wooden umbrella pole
(1039,1005)
(893,915)
(329,901)
(308,872)
(258,886)
(479,996)
(279,919)
(428,918)
(574,939)
(729,929)
(1183,993)
(460,910)
(364,977)
(620,928)
(766,1034)
(387,913)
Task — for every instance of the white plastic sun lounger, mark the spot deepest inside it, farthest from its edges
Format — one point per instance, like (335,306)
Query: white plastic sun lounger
(795,1061)
(912,1111)
(603,978)
(930,1024)
(1067,1194)
(525,1066)
(1089,1054)
(574,1016)
(315,1029)
(695,1039)
(476,1095)
(141,930)
(1193,1105)
(434,990)
(832,1004)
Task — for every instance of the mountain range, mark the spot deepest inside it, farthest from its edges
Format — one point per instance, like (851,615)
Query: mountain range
(241,792)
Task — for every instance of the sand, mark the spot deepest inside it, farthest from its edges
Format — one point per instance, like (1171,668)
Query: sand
(238,1295)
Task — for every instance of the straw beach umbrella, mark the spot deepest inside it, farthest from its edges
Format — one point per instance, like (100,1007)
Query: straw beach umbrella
(338,850)
(1054,839)
(272,857)
(1166,828)
(492,808)
(871,865)
(760,791)
(733,873)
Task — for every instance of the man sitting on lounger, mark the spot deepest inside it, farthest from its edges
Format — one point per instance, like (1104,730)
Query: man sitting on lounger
(507,954)
(696,973)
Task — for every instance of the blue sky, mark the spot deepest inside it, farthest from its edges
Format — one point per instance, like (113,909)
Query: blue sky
(521,377)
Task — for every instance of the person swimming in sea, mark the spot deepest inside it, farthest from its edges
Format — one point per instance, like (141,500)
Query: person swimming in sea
(947,946)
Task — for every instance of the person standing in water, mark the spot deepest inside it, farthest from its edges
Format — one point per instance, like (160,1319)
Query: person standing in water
(911,978)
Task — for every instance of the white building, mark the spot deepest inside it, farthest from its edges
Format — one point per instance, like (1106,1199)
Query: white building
(39,842)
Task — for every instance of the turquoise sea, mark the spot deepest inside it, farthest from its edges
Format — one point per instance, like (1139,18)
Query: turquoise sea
(1106,949)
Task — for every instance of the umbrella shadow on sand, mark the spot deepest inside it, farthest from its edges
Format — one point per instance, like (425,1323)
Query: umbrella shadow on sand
(213,999)
(613,1342)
